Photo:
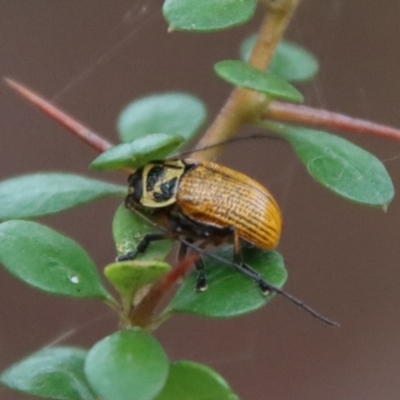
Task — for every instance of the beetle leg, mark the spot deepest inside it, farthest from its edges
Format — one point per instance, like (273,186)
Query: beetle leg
(201,280)
(237,256)
(143,245)
(246,269)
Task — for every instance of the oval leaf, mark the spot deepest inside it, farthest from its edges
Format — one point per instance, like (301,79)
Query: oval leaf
(207,15)
(244,75)
(155,146)
(189,380)
(48,261)
(129,276)
(229,293)
(128,365)
(291,62)
(339,165)
(54,373)
(174,113)
(41,194)
(129,229)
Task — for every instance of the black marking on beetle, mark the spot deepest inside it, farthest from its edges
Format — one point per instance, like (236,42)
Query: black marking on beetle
(167,191)
(155,175)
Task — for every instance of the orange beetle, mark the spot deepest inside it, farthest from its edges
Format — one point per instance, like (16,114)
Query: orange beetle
(206,202)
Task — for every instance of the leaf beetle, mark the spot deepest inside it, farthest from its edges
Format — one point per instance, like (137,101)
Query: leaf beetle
(207,203)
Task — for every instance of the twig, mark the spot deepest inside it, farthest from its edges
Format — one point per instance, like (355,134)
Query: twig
(90,137)
(327,119)
(245,105)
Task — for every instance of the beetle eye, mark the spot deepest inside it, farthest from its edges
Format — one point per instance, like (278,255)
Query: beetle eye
(135,186)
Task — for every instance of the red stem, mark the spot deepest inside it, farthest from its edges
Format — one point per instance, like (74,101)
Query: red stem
(93,139)
(327,119)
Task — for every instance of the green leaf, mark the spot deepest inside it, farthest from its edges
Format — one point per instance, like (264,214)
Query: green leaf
(291,62)
(229,293)
(174,113)
(207,15)
(48,261)
(339,165)
(129,229)
(128,365)
(189,380)
(53,373)
(244,75)
(129,276)
(41,194)
(155,146)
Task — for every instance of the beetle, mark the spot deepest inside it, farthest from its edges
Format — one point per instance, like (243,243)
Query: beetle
(208,203)
(201,201)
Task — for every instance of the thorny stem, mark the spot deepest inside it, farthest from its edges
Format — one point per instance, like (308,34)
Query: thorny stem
(327,119)
(90,137)
(244,105)
(276,110)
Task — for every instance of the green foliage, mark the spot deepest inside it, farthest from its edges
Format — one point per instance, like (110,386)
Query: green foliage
(131,364)
(54,373)
(173,113)
(221,299)
(339,165)
(207,15)
(128,365)
(291,62)
(155,146)
(35,195)
(128,277)
(244,75)
(189,380)
(128,230)
(48,261)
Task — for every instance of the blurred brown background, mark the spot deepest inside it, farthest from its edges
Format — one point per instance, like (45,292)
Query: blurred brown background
(94,56)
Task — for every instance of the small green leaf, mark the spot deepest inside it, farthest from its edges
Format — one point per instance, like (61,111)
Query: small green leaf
(339,165)
(174,113)
(189,380)
(155,146)
(229,293)
(129,229)
(244,75)
(53,373)
(129,276)
(48,261)
(207,15)
(128,365)
(41,194)
(291,62)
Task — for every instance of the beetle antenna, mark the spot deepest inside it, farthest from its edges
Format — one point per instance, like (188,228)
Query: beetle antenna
(302,305)
(257,278)
(236,139)
(247,271)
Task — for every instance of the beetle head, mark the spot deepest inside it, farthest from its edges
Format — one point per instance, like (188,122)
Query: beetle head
(155,185)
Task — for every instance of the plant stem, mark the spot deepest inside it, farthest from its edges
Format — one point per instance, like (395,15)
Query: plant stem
(90,137)
(274,110)
(279,14)
(244,105)
(330,120)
